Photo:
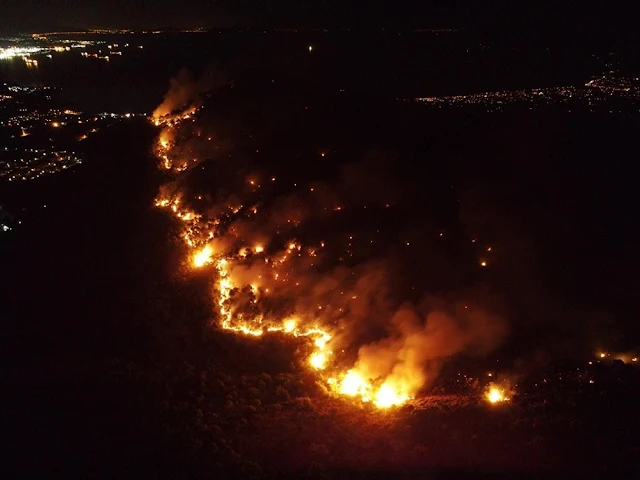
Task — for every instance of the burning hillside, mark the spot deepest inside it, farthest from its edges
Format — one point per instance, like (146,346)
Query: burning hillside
(294,251)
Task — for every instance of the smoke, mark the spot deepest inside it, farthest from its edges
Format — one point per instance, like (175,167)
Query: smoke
(419,341)
(316,247)
(185,92)
(563,324)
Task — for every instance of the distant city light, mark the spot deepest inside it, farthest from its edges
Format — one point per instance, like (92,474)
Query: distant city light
(24,164)
(18,52)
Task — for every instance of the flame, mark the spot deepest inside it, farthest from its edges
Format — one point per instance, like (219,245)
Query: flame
(169,123)
(318,360)
(353,384)
(390,393)
(496,394)
(203,257)
(388,396)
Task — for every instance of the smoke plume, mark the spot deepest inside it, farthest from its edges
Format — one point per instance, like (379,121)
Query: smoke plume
(314,248)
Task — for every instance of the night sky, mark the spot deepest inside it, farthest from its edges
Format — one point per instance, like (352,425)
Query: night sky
(30,15)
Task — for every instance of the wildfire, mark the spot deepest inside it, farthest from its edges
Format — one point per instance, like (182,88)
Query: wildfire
(200,234)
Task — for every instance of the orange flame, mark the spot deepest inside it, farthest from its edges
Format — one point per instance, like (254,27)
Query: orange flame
(203,257)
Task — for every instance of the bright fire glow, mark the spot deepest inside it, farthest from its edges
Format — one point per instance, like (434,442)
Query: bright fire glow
(353,384)
(203,257)
(388,396)
(496,394)
(318,360)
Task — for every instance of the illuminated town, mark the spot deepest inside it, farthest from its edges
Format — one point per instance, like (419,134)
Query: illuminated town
(38,48)
(41,135)
(608,94)
(31,164)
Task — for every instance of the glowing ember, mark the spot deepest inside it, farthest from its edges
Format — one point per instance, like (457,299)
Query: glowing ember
(496,394)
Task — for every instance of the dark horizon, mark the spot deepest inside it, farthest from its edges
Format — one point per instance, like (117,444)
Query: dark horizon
(494,16)
(350,248)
